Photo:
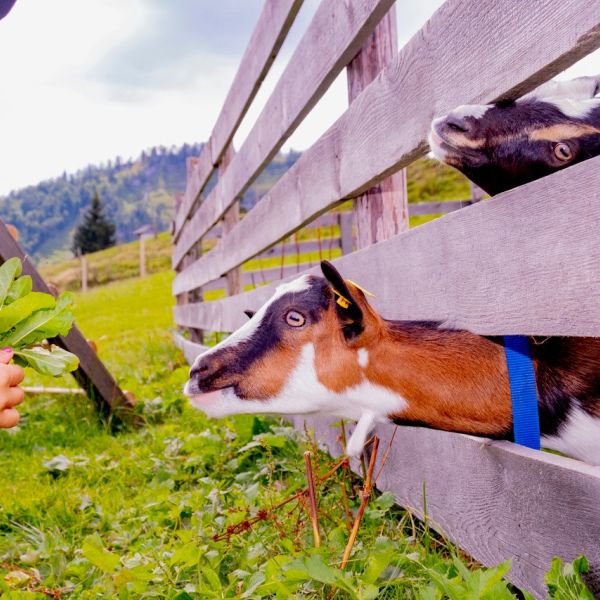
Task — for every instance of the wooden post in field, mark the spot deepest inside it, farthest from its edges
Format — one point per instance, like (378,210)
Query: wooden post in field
(84,273)
(382,211)
(143,256)
(230,220)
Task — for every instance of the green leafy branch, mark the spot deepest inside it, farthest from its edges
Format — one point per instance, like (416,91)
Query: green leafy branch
(28,319)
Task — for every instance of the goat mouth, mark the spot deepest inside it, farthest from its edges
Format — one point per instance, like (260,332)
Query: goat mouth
(203,398)
(193,390)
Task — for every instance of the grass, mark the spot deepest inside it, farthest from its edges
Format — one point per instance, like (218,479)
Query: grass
(113,264)
(90,513)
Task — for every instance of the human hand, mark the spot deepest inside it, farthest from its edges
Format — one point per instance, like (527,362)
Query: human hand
(10,393)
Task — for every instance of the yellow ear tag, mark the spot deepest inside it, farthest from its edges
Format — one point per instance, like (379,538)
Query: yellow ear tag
(366,292)
(342,300)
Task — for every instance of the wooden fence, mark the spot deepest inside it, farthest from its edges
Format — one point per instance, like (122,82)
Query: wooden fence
(525,262)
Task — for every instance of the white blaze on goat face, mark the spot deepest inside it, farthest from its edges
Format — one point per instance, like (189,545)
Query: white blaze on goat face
(252,325)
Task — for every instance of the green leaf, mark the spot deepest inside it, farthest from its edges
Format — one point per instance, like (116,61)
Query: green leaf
(211,577)
(23,307)
(42,324)
(378,560)
(8,271)
(98,555)
(55,361)
(564,581)
(20,287)
(186,554)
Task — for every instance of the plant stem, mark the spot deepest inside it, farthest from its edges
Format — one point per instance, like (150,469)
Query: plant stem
(366,493)
(314,516)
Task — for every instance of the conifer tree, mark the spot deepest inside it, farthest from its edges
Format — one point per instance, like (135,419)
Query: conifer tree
(96,231)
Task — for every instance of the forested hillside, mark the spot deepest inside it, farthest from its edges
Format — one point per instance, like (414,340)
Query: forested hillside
(134,192)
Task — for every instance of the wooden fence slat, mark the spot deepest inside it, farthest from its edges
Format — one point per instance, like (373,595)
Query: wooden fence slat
(333,37)
(198,175)
(267,38)
(190,349)
(447,64)
(508,265)
(496,500)
(92,375)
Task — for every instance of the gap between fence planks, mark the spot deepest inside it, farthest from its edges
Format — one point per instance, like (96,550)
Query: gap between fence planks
(334,36)
(446,64)
(508,265)
(272,28)
(91,375)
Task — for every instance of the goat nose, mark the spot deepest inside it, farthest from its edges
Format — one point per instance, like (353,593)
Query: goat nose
(457,123)
(199,371)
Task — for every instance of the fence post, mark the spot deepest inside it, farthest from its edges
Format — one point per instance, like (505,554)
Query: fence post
(196,335)
(382,211)
(230,220)
(84,273)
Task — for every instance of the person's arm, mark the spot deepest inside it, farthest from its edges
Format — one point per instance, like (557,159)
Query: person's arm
(11,394)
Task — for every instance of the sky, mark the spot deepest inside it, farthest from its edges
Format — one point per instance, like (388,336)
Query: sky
(87,81)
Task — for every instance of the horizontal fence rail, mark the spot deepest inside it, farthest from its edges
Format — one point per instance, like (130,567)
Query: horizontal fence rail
(269,34)
(334,36)
(450,64)
(524,262)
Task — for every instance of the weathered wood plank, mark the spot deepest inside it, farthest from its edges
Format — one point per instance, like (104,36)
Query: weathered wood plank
(333,37)
(496,500)
(92,375)
(258,276)
(190,349)
(446,64)
(199,172)
(230,220)
(267,38)
(504,266)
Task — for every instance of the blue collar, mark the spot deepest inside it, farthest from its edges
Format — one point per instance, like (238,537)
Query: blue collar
(521,376)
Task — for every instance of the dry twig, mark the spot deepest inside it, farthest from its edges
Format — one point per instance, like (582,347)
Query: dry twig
(366,494)
(314,516)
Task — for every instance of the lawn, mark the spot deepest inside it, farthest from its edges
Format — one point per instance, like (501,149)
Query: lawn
(87,512)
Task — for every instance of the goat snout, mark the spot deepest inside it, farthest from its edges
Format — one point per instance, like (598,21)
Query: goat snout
(458,123)
(202,374)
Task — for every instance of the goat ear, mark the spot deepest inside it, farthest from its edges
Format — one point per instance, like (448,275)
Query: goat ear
(249,313)
(347,306)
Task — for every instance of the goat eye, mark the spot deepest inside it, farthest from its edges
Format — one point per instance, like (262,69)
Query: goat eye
(294,319)
(563,152)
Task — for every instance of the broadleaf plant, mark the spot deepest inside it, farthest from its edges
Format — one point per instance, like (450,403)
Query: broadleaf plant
(28,319)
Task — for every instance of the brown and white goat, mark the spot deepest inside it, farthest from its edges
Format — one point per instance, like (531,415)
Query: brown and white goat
(503,145)
(319,347)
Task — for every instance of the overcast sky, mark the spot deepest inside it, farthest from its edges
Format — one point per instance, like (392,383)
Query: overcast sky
(86,81)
